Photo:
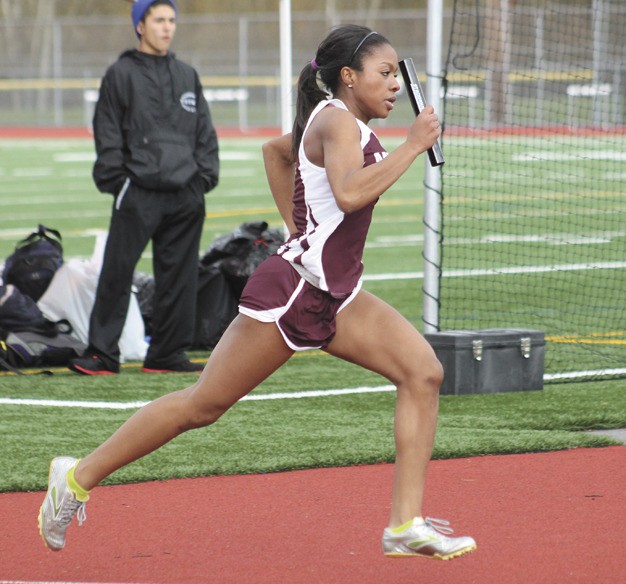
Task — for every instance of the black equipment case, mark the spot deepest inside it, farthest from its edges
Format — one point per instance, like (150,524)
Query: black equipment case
(490,360)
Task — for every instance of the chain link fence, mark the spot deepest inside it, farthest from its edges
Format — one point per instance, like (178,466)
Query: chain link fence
(50,70)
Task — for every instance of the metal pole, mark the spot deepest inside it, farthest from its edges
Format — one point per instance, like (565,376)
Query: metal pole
(505,18)
(286,116)
(243,71)
(57,72)
(599,57)
(432,179)
(539,61)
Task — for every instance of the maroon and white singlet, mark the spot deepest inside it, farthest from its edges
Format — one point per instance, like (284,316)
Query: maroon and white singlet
(317,271)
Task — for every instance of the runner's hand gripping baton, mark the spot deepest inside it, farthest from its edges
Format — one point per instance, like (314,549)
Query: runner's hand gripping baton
(418,102)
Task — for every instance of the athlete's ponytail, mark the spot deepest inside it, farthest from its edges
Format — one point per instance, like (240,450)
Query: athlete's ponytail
(309,95)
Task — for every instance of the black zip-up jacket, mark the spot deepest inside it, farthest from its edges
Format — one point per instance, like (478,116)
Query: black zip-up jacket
(152,125)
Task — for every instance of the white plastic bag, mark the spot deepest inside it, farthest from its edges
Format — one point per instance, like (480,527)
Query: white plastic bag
(71,295)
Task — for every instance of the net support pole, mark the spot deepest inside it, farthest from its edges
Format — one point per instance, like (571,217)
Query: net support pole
(286,90)
(285,66)
(600,59)
(432,176)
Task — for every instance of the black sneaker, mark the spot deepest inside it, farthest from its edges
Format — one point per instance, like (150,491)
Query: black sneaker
(182,367)
(91,365)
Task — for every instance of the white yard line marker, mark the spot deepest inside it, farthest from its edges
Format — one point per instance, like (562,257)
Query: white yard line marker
(102,405)
(500,271)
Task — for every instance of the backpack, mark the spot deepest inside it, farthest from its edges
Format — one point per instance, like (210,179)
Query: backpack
(28,339)
(7,362)
(34,262)
(19,313)
(27,349)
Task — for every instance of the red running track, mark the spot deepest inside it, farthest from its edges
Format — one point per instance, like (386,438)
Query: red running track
(552,518)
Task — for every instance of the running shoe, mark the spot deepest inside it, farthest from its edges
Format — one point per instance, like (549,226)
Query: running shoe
(60,505)
(427,538)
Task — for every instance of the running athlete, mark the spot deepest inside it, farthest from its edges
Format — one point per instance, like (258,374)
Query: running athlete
(309,295)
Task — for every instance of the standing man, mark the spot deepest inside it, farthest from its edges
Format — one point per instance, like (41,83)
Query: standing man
(157,154)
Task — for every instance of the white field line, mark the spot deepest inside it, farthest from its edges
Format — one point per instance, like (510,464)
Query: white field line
(403,240)
(102,405)
(77,157)
(88,156)
(500,271)
(547,238)
(11,233)
(475,272)
(569,156)
(580,374)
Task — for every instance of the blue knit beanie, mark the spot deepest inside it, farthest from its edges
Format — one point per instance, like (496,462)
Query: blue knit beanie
(139,9)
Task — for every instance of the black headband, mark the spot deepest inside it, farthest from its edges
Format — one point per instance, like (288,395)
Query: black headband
(368,35)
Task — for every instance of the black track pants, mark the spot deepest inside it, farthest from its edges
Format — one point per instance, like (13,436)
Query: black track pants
(173,221)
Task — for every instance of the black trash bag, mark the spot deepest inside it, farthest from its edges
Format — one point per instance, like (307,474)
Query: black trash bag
(240,252)
(215,309)
(143,285)
(216,305)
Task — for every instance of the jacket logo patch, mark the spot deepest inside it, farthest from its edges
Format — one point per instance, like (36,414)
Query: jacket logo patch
(188,101)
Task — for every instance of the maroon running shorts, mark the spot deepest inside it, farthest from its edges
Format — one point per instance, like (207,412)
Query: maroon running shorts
(304,314)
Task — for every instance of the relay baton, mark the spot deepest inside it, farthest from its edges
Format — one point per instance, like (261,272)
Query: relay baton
(416,97)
